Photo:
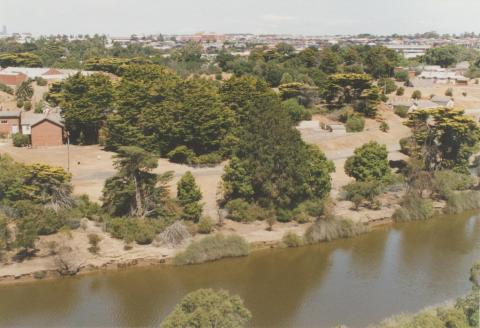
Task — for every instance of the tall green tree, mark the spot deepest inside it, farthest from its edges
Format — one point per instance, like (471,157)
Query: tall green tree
(135,190)
(443,138)
(272,165)
(189,196)
(86,102)
(369,161)
(208,308)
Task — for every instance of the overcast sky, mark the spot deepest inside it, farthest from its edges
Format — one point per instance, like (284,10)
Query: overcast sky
(312,17)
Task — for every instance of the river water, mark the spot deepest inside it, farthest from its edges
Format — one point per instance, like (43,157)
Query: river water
(401,268)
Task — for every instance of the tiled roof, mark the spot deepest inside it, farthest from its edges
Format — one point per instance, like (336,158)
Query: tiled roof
(16,113)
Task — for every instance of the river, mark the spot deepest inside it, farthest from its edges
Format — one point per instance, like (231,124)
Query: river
(400,268)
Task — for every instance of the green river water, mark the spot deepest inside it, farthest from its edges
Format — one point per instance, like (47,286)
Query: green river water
(358,281)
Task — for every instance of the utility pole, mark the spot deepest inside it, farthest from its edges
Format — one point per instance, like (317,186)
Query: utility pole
(68,152)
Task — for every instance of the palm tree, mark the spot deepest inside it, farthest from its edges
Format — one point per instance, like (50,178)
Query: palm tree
(24,91)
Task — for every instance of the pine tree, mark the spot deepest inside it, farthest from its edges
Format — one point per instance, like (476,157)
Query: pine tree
(189,196)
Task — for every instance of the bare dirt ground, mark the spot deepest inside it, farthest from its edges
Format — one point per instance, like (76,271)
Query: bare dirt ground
(91,166)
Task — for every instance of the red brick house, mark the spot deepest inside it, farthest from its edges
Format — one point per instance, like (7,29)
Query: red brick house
(12,80)
(9,123)
(44,129)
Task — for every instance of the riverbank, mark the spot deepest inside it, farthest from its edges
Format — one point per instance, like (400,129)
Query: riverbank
(309,286)
(113,255)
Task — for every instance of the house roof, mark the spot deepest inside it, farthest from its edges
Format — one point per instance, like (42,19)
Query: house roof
(33,119)
(441,99)
(45,72)
(5,114)
(425,104)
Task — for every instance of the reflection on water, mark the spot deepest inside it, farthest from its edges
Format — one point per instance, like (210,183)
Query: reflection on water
(354,282)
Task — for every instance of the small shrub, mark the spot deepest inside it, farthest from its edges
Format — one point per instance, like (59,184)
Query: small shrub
(40,81)
(363,191)
(205,225)
(27,105)
(355,123)
(20,103)
(5,88)
(239,210)
(207,159)
(271,220)
(182,155)
(384,127)
(464,94)
(417,94)
(20,140)
(407,145)
(213,248)
(39,274)
(331,229)
(292,240)
(449,92)
(401,76)
(313,208)
(129,229)
(413,207)
(144,234)
(94,240)
(401,111)
(39,107)
(302,218)
(400,91)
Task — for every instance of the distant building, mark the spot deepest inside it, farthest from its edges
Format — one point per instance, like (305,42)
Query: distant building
(9,123)
(409,50)
(44,129)
(412,104)
(12,79)
(50,74)
(443,101)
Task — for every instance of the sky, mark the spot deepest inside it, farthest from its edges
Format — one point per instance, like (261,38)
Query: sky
(301,17)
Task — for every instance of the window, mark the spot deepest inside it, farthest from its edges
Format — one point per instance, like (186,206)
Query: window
(3,122)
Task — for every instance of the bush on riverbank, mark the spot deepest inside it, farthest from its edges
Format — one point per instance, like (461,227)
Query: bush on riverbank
(458,202)
(213,248)
(331,229)
(413,208)
(130,229)
(292,240)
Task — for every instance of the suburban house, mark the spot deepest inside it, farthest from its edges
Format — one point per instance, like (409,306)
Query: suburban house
(46,129)
(439,75)
(12,79)
(443,101)
(412,104)
(49,74)
(9,123)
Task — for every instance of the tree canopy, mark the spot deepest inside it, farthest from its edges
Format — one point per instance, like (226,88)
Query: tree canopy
(369,161)
(443,138)
(272,165)
(208,308)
